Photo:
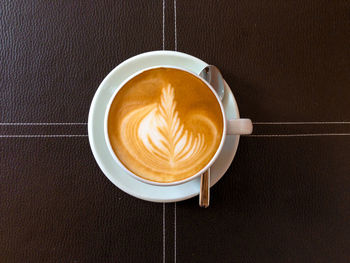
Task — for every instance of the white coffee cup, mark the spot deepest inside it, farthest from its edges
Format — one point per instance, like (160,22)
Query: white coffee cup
(230,127)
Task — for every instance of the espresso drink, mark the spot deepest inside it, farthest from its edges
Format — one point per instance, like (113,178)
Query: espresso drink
(165,125)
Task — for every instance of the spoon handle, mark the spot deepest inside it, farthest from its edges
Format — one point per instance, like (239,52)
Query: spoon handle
(204,194)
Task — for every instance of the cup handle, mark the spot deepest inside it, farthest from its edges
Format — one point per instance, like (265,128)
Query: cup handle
(239,126)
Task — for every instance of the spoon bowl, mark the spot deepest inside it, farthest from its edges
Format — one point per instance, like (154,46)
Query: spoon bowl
(213,75)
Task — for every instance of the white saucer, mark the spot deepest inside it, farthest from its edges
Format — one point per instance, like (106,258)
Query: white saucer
(99,148)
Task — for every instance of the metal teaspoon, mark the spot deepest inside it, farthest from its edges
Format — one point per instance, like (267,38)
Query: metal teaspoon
(213,75)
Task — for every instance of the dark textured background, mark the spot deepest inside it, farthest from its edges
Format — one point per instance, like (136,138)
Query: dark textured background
(284,199)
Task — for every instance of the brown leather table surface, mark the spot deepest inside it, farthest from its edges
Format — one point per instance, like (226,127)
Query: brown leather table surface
(286,196)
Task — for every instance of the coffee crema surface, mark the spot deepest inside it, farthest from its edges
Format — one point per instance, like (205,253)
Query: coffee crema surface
(165,125)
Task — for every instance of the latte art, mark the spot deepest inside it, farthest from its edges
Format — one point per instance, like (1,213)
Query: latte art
(163,134)
(164,143)
(160,136)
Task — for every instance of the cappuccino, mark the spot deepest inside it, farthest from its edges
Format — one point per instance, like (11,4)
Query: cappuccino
(165,125)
